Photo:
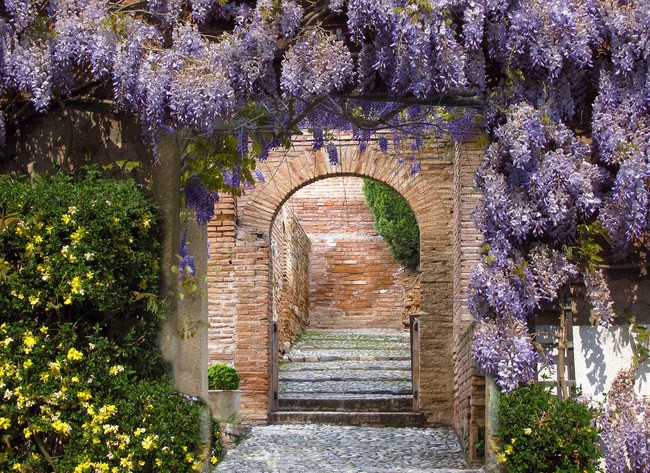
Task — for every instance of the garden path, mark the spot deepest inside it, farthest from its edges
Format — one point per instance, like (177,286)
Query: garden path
(360,378)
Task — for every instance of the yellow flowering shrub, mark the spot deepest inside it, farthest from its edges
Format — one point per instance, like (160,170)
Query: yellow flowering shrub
(79,245)
(538,432)
(62,398)
(83,387)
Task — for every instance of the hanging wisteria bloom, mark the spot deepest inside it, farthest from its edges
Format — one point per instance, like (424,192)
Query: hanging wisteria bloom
(186,267)
(199,198)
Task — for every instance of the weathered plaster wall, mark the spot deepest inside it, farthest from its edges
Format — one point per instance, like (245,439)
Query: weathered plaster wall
(600,353)
(354,280)
(290,252)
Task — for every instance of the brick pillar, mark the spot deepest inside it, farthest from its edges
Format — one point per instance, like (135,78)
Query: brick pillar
(253,323)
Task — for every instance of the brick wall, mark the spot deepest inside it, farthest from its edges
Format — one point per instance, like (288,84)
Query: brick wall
(221,283)
(354,280)
(469,384)
(430,195)
(290,251)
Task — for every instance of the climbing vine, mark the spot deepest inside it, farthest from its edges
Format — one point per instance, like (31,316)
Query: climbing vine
(562,87)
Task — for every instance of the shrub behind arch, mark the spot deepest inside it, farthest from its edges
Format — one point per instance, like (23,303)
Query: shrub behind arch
(395,222)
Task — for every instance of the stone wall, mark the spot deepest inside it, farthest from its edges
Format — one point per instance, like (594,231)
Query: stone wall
(290,251)
(354,280)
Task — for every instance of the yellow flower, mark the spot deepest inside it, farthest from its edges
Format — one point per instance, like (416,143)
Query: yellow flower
(84,395)
(27,363)
(214,460)
(83,466)
(74,355)
(65,218)
(55,368)
(43,329)
(139,431)
(61,427)
(74,379)
(33,300)
(77,235)
(75,285)
(508,450)
(17,467)
(528,431)
(110,429)
(72,209)
(501,458)
(28,340)
(5,423)
(68,299)
(114,370)
(20,296)
(189,458)
(197,466)
(89,275)
(38,239)
(149,442)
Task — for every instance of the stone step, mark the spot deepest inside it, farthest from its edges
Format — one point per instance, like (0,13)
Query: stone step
(354,334)
(327,354)
(369,365)
(350,404)
(343,395)
(350,376)
(359,387)
(375,419)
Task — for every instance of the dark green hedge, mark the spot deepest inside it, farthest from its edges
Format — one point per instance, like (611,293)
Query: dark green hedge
(395,222)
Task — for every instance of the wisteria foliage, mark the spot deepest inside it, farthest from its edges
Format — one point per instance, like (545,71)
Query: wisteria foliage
(565,86)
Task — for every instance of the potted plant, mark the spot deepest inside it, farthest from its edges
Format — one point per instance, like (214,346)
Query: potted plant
(223,395)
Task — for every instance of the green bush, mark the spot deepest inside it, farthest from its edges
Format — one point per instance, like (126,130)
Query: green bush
(84,387)
(539,432)
(222,377)
(395,222)
(76,248)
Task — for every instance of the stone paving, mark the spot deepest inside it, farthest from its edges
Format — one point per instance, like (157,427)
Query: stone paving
(312,448)
(347,373)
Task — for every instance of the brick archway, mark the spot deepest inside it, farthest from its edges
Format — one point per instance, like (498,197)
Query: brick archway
(239,277)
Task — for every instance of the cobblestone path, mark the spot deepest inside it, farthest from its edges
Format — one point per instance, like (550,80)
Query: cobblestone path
(312,448)
(345,407)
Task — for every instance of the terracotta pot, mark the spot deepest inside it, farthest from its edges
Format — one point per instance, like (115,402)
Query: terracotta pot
(223,404)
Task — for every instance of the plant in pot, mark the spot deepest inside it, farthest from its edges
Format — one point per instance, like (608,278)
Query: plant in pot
(223,395)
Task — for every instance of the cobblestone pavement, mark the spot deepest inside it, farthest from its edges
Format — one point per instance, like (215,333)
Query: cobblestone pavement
(312,448)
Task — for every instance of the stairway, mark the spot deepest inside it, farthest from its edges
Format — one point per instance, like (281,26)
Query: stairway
(350,377)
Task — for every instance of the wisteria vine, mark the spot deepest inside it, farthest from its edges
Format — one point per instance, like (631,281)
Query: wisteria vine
(564,86)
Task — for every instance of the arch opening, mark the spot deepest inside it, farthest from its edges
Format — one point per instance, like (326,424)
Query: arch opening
(339,292)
